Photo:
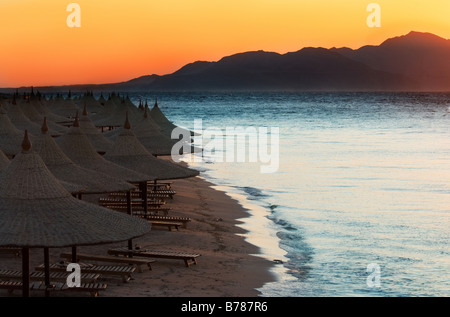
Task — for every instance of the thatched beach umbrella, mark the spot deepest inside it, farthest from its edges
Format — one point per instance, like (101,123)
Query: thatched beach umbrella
(116,98)
(114,118)
(37,212)
(10,136)
(21,121)
(40,103)
(150,135)
(91,103)
(63,107)
(77,147)
(130,153)
(101,99)
(30,107)
(64,169)
(109,107)
(165,124)
(135,111)
(97,139)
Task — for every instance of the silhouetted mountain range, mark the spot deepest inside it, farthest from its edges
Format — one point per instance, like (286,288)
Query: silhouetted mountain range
(413,62)
(424,58)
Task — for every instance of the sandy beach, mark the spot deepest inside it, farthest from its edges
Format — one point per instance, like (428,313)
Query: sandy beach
(227,266)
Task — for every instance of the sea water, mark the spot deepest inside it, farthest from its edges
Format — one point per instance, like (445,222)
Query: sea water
(363,182)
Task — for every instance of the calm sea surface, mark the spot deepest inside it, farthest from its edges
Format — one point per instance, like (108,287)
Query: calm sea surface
(363,179)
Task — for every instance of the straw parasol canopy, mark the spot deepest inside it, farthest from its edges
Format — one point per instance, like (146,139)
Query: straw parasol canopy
(97,139)
(130,153)
(165,124)
(115,116)
(41,106)
(150,135)
(63,107)
(101,99)
(21,121)
(92,104)
(37,212)
(29,108)
(116,98)
(108,108)
(10,136)
(77,147)
(64,169)
(74,189)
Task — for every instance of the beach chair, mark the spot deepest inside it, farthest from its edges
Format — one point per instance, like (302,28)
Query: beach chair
(158,185)
(169,192)
(12,286)
(168,224)
(39,276)
(137,194)
(105,258)
(92,288)
(138,210)
(136,205)
(188,258)
(122,271)
(183,220)
(134,201)
(11,250)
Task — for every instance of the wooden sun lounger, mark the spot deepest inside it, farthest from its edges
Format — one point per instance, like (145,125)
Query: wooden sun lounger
(169,192)
(106,258)
(188,258)
(123,271)
(92,288)
(158,184)
(12,286)
(39,276)
(150,194)
(11,250)
(168,224)
(138,210)
(120,205)
(139,201)
(183,220)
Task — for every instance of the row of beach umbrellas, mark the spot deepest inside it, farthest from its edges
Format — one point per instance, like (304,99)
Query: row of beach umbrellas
(43,169)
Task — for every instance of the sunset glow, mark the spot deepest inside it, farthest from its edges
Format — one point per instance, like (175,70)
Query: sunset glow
(121,40)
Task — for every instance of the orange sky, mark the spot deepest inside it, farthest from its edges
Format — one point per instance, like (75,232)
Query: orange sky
(121,40)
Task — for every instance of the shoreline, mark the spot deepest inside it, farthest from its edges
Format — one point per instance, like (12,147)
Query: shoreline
(229,266)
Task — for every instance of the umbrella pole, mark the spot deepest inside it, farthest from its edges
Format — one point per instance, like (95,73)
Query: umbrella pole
(25,272)
(130,212)
(47,271)
(74,254)
(144,197)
